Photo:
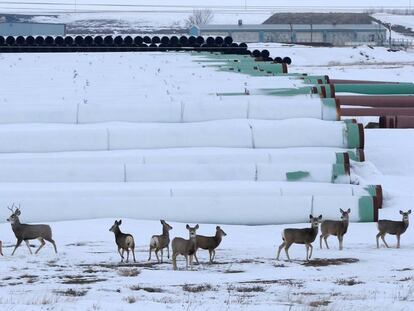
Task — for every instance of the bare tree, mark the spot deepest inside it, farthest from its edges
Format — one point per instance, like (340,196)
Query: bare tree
(199,17)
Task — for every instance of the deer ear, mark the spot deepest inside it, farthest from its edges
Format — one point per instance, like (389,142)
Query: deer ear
(161,221)
(341,210)
(401,212)
(409,211)
(310,216)
(349,210)
(218,228)
(197,226)
(120,222)
(320,217)
(187,226)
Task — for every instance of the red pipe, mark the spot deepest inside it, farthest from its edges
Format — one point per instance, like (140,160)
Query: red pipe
(376,112)
(377,101)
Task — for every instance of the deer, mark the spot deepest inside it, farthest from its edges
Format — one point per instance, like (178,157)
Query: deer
(26,232)
(393,227)
(159,242)
(124,241)
(184,247)
(210,243)
(300,236)
(335,227)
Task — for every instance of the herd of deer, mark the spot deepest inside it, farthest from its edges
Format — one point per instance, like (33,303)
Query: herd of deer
(188,248)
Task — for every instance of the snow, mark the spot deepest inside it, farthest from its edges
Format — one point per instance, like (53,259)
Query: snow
(243,261)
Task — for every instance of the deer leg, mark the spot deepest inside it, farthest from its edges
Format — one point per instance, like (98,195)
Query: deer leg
(28,246)
(174,261)
(378,235)
(120,254)
(311,250)
(150,250)
(340,239)
(156,254)
(287,251)
(168,250)
(195,257)
(53,243)
(307,252)
(326,241)
(162,254)
(383,239)
(398,241)
(127,255)
(17,245)
(209,256)
(191,262)
(186,262)
(133,253)
(214,254)
(280,248)
(42,243)
(320,241)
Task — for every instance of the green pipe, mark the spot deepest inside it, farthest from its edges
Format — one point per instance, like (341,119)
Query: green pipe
(354,135)
(367,211)
(372,89)
(316,79)
(273,92)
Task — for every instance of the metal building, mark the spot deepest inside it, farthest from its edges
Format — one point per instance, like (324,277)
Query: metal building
(32,29)
(337,29)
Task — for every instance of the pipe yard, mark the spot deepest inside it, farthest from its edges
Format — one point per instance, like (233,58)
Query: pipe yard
(207,131)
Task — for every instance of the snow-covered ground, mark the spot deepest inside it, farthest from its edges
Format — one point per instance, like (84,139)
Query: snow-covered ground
(363,62)
(86,273)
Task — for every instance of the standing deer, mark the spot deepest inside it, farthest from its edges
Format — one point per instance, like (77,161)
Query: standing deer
(210,243)
(335,227)
(159,242)
(300,236)
(185,247)
(124,241)
(25,232)
(393,227)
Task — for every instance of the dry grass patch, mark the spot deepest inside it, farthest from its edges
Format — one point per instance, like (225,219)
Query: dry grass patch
(319,303)
(348,282)
(319,262)
(256,289)
(130,299)
(196,288)
(79,279)
(128,272)
(147,289)
(233,271)
(72,292)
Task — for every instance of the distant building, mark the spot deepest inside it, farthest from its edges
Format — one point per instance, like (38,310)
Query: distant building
(337,29)
(31,29)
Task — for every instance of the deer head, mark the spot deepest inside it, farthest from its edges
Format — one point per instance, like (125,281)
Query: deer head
(14,217)
(115,226)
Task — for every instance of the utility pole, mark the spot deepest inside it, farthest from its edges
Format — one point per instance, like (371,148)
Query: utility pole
(389,39)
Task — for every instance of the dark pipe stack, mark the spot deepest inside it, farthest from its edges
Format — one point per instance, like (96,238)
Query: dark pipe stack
(119,43)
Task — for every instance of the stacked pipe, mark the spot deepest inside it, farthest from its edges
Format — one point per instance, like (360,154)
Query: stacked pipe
(119,43)
(256,159)
(392,102)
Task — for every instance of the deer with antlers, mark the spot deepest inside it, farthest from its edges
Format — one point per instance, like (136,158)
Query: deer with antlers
(25,232)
